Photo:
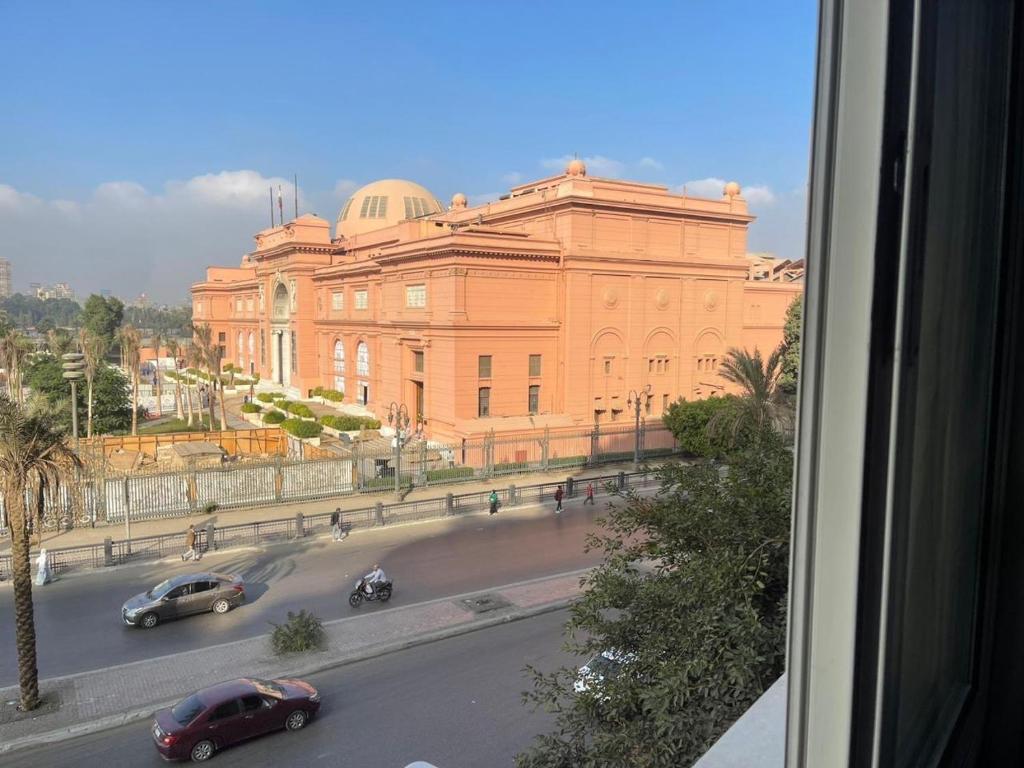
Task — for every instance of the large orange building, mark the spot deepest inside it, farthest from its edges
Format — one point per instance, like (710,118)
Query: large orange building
(543,309)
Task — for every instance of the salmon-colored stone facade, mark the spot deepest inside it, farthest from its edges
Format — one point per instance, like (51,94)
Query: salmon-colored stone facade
(541,310)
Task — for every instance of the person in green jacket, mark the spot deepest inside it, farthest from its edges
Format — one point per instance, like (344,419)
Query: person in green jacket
(494,501)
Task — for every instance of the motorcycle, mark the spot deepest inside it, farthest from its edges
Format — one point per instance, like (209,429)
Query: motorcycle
(382,593)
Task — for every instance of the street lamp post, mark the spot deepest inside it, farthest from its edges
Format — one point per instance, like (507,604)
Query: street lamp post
(73,365)
(638,399)
(398,417)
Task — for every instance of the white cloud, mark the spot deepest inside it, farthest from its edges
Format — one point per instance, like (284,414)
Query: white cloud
(344,188)
(127,239)
(482,197)
(759,195)
(711,187)
(512,178)
(10,198)
(597,165)
(650,163)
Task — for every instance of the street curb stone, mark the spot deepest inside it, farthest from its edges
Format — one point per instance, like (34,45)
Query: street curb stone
(142,713)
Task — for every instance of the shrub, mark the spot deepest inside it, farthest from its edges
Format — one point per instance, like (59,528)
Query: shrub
(346,423)
(250,408)
(300,428)
(689,422)
(302,632)
(446,475)
(300,409)
(265,397)
(278,395)
(283,404)
(317,391)
(209,509)
(333,395)
(273,417)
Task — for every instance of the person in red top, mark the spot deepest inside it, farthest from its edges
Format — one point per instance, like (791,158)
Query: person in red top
(590,494)
(558,499)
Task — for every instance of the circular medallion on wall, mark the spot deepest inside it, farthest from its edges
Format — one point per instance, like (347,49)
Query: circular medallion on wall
(710,301)
(611,297)
(661,298)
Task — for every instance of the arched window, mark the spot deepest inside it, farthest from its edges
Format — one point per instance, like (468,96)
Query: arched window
(241,350)
(362,359)
(339,366)
(281,302)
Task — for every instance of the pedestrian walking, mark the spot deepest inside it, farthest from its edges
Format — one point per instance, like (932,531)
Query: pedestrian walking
(494,502)
(590,494)
(336,524)
(190,552)
(558,499)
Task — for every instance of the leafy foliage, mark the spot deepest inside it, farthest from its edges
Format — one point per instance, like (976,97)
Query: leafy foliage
(300,428)
(24,311)
(250,408)
(303,631)
(300,409)
(273,417)
(111,410)
(103,316)
(791,346)
(265,397)
(346,423)
(693,585)
(688,422)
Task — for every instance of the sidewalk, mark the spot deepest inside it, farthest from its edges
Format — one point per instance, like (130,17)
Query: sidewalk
(110,697)
(169,525)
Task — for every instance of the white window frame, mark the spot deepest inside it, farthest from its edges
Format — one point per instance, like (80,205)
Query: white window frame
(416,296)
(362,300)
(337,301)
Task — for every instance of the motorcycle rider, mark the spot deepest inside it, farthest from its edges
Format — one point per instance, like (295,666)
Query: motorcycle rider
(373,578)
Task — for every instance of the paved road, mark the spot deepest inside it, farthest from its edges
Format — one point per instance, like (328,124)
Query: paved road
(455,703)
(78,622)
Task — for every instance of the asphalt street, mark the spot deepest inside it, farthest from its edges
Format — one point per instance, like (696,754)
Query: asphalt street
(455,703)
(79,627)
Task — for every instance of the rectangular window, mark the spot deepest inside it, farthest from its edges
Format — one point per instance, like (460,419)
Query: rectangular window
(417,361)
(664,403)
(362,299)
(484,366)
(607,365)
(222,337)
(337,300)
(650,366)
(483,402)
(535,365)
(295,354)
(416,296)
(534,400)
(249,305)
(238,306)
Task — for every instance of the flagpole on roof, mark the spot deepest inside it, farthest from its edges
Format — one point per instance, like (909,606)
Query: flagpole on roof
(271,190)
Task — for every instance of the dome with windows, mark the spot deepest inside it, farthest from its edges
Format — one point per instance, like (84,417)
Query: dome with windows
(385,203)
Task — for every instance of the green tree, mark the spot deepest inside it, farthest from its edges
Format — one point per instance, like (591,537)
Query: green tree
(34,462)
(688,422)
(130,341)
(791,346)
(103,316)
(692,592)
(112,410)
(93,351)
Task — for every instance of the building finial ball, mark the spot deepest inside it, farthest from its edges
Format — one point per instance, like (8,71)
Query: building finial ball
(732,189)
(576,167)
(459,200)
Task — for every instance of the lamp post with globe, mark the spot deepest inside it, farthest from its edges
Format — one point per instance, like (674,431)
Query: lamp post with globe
(398,417)
(637,400)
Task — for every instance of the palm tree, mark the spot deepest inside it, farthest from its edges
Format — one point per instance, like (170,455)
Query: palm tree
(131,345)
(94,349)
(195,360)
(14,350)
(158,341)
(173,349)
(58,342)
(762,404)
(33,459)
(208,356)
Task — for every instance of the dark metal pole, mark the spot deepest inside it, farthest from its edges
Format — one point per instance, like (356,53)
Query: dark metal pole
(74,410)
(636,436)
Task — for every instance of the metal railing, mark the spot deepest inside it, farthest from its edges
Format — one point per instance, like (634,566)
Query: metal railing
(148,548)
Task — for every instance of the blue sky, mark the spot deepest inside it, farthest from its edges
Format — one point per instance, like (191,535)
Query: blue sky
(145,133)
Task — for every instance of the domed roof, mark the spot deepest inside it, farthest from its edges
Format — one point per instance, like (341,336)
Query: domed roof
(459,201)
(384,203)
(576,167)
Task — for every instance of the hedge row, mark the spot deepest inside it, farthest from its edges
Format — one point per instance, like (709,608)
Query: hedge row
(345,423)
(265,397)
(301,409)
(452,473)
(273,417)
(333,395)
(300,428)
(250,408)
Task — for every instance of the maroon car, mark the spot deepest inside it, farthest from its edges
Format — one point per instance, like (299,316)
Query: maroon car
(214,718)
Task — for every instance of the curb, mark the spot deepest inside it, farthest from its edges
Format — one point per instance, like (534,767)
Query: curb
(145,712)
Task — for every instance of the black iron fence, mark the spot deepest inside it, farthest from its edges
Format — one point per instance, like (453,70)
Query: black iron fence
(149,548)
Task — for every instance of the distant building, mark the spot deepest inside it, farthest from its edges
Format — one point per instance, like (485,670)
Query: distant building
(542,310)
(5,278)
(56,291)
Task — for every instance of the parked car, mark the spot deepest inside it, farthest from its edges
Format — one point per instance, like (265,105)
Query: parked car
(606,665)
(182,596)
(214,718)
